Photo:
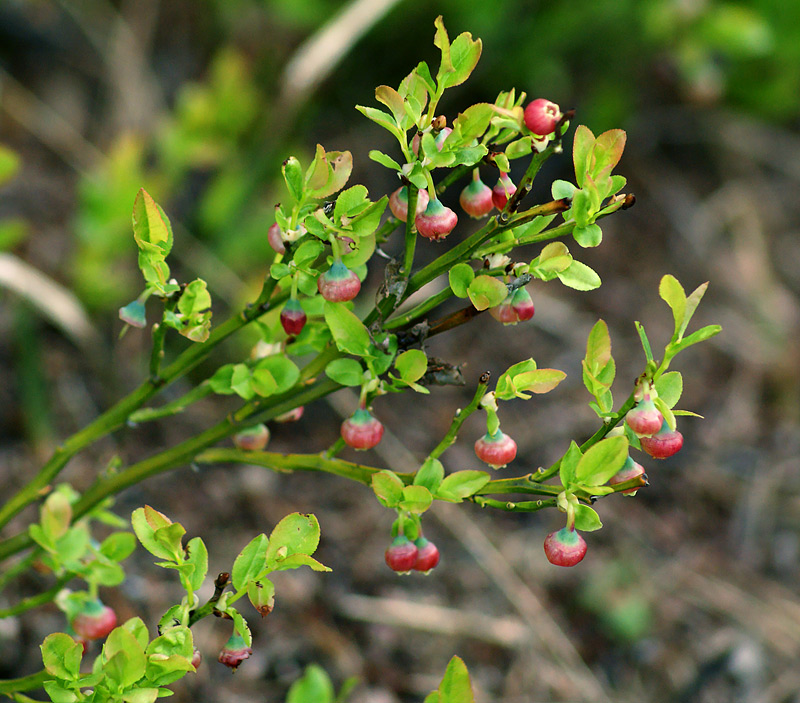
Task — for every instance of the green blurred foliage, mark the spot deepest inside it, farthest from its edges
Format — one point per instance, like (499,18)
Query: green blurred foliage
(218,149)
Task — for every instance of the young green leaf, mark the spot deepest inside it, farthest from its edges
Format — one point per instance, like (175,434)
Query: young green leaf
(151,227)
(465,53)
(670,388)
(586,519)
(250,563)
(416,499)
(671,291)
(294,534)
(294,178)
(145,522)
(313,687)
(461,484)
(607,152)
(602,461)
(347,372)
(456,686)
(569,464)
(460,277)
(598,348)
(579,276)
(486,292)
(197,556)
(411,365)
(281,369)
(348,331)
(430,475)
(582,146)
(61,656)
(123,658)
(589,235)
(388,488)
(701,335)
(692,301)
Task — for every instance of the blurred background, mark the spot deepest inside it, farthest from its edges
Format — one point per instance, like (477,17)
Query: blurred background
(690,593)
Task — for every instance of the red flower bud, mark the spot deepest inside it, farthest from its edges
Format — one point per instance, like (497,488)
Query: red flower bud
(427,555)
(95,621)
(497,450)
(234,652)
(362,430)
(338,284)
(401,556)
(565,547)
(664,443)
(437,221)
(293,317)
(502,191)
(252,439)
(398,203)
(541,116)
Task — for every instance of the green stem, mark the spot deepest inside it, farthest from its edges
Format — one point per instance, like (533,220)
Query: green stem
(455,175)
(37,600)
(449,439)
(25,683)
(174,407)
(117,415)
(527,506)
(183,453)
(411,230)
(159,335)
(419,310)
(287,463)
(524,484)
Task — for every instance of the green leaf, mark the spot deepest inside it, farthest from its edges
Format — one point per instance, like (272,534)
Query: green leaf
(456,686)
(197,556)
(381,118)
(670,388)
(586,519)
(124,659)
(350,202)
(465,52)
(569,464)
(138,629)
(460,277)
(262,594)
(461,484)
(582,146)
(506,389)
(648,352)
(588,236)
(562,189)
(295,534)
(195,298)
(347,372)
(282,369)
(145,522)
(474,121)
(340,166)
(58,693)
(411,365)
(118,546)
(319,171)
(348,331)
(701,335)
(307,252)
(538,381)
(579,276)
(151,228)
(602,461)
(141,695)
(692,301)
(384,160)
(671,291)
(442,41)
(388,488)
(598,347)
(313,687)
(666,412)
(416,499)
(293,176)
(250,562)
(295,561)
(607,152)
(163,670)
(394,101)
(56,515)
(487,292)
(430,474)
(171,538)
(176,640)
(61,656)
